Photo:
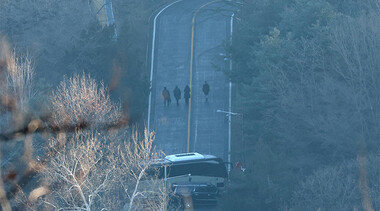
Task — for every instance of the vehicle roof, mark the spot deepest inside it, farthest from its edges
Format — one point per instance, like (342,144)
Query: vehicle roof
(192,185)
(192,156)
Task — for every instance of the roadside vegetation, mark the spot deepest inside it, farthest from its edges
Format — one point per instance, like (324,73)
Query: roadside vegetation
(307,82)
(83,156)
(72,96)
(65,38)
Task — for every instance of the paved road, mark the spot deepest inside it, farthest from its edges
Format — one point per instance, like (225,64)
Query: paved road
(208,129)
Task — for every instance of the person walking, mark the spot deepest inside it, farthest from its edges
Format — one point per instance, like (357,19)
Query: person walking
(206,89)
(177,94)
(166,96)
(186,94)
(169,98)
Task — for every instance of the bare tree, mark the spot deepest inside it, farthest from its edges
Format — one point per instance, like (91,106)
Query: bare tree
(16,92)
(80,174)
(337,187)
(5,205)
(80,99)
(356,43)
(86,174)
(137,156)
(17,79)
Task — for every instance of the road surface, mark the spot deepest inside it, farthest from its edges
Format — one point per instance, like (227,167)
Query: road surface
(172,57)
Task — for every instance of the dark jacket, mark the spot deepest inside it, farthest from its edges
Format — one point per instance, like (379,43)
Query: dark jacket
(177,93)
(186,92)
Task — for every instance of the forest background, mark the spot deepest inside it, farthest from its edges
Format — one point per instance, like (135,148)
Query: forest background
(306,77)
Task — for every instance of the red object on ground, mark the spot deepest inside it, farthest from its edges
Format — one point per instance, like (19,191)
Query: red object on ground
(239,165)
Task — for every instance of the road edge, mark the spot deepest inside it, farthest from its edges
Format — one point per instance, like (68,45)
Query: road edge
(152,59)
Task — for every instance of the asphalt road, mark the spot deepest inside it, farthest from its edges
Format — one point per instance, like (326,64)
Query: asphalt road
(208,128)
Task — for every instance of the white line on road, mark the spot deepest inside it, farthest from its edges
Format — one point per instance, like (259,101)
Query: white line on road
(152,59)
(196,133)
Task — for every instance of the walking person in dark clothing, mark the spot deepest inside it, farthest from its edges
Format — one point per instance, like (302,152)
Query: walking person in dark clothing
(206,90)
(177,94)
(169,99)
(166,96)
(186,94)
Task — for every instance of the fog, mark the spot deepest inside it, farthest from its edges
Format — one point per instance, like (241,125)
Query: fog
(189,105)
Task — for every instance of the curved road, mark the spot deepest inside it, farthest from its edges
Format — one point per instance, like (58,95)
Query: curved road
(208,128)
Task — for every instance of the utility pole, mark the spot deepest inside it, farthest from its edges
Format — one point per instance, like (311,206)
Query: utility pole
(229,114)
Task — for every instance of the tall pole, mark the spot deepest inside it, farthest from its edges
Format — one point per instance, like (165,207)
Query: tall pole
(230,100)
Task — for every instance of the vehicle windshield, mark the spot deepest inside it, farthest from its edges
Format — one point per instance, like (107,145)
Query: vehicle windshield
(209,169)
(201,168)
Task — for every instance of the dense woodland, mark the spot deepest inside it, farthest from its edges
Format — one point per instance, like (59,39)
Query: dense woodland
(307,83)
